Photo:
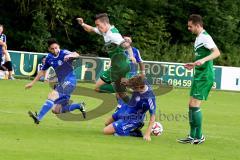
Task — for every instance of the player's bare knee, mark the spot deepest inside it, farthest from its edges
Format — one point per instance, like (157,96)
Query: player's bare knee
(105,131)
(53,95)
(56,109)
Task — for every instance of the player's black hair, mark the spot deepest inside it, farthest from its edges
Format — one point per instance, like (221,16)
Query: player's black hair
(196,19)
(43,57)
(52,41)
(103,17)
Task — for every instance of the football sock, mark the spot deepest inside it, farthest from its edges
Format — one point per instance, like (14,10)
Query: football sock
(107,88)
(198,123)
(195,121)
(191,122)
(45,108)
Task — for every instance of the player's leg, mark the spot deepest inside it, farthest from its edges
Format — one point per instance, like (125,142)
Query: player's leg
(103,84)
(193,107)
(109,121)
(121,91)
(109,129)
(56,109)
(53,95)
(199,92)
(136,132)
(75,106)
(115,117)
(120,67)
(122,128)
(195,118)
(204,88)
(8,64)
(63,100)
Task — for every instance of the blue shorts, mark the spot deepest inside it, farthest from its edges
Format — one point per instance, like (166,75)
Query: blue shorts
(121,109)
(123,128)
(64,90)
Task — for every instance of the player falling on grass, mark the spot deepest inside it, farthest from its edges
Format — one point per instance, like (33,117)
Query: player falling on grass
(115,46)
(205,51)
(58,98)
(128,120)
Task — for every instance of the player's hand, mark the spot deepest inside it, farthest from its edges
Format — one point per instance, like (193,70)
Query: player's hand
(80,20)
(67,57)
(133,59)
(189,66)
(124,81)
(147,138)
(142,75)
(199,62)
(28,86)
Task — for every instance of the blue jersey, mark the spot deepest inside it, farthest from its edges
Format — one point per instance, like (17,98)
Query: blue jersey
(64,70)
(138,58)
(4,39)
(137,107)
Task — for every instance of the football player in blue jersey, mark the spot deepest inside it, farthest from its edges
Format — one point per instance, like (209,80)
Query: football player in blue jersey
(58,98)
(128,120)
(136,54)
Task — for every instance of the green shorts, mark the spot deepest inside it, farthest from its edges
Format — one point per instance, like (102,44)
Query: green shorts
(200,89)
(120,66)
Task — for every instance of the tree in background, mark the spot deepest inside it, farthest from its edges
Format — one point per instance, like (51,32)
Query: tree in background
(158,27)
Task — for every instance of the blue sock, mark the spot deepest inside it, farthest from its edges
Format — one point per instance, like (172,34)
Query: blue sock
(72,107)
(45,108)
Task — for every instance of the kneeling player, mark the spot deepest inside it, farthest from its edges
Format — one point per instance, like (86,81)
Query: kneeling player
(58,98)
(128,120)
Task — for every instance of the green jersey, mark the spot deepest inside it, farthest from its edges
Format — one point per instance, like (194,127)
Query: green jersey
(202,48)
(113,39)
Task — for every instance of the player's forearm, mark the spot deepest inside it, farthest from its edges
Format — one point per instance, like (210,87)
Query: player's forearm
(74,55)
(87,27)
(150,125)
(142,68)
(39,75)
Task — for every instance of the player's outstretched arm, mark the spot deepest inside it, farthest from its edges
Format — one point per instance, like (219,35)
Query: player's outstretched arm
(85,26)
(40,74)
(142,69)
(72,55)
(147,135)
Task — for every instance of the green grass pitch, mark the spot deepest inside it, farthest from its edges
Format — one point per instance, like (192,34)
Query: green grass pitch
(55,139)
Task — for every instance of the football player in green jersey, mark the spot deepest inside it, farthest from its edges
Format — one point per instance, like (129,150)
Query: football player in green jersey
(205,51)
(115,46)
